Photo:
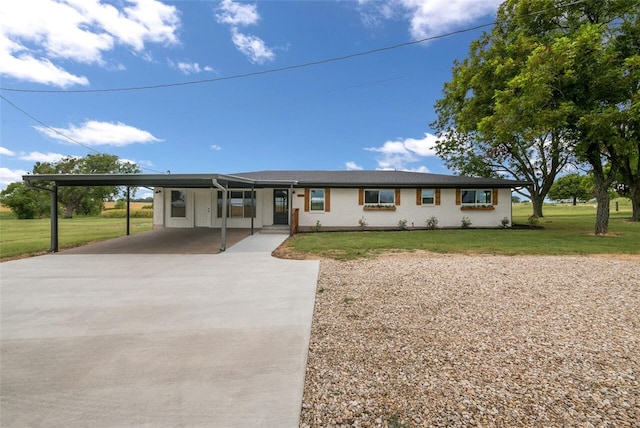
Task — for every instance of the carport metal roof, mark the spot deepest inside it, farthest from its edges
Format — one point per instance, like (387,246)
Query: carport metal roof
(154,180)
(219,181)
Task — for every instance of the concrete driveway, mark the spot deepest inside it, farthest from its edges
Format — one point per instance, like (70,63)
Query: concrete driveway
(172,340)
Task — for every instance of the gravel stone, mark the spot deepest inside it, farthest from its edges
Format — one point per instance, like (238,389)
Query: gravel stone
(427,340)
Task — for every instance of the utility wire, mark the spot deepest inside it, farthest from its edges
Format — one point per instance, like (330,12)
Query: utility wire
(73,140)
(289,67)
(257,73)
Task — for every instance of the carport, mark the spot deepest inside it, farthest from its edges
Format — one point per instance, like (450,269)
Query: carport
(222,182)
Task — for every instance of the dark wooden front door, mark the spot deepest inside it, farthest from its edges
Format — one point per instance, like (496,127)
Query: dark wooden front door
(280,206)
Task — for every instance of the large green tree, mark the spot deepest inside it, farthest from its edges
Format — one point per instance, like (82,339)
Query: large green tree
(499,114)
(570,186)
(26,203)
(550,84)
(86,200)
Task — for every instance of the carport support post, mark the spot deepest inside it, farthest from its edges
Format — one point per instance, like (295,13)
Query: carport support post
(223,227)
(54,220)
(290,199)
(128,210)
(223,239)
(253,206)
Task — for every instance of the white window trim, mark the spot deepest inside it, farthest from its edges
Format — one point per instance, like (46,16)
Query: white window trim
(171,205)
(422,202)
(324,201)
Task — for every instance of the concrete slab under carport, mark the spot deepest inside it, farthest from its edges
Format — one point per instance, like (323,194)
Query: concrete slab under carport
(165,241)
(156,340)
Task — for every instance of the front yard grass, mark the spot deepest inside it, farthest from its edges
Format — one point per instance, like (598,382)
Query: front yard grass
(30,237)
(565,230)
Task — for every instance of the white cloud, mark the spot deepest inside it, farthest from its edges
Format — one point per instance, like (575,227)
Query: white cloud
(253,47)
(352,166)
(15,61)
(237,14)
(38,36)
(429,17)
(396,155)
(215,148)
(94,133)
(143,193)
(190,67)
(8,176)
(6,152)
(124,161)
(42,157)
(145,163)
(423,147)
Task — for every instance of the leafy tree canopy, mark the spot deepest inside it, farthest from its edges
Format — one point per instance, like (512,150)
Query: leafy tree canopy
(26,203)
(550,84)
(81,199)
(570,186)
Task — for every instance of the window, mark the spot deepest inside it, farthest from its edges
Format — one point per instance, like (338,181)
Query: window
(240,204)
(476,197)
(178,203)
(317,200)
(379,197)
(428,197)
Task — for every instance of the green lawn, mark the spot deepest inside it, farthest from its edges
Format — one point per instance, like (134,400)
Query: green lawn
(565,230)
(25,237)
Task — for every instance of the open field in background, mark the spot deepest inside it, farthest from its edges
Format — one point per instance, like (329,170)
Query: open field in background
(565,230)
(133,205)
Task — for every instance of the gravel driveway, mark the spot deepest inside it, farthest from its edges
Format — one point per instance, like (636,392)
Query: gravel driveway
(456,340)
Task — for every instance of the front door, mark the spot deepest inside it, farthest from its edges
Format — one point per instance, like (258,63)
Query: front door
(280,206)
(202,208)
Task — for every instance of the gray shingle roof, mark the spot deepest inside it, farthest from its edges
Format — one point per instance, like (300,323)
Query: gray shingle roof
(390,179)
(377,178)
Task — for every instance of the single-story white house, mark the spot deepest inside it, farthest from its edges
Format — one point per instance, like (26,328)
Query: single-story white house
(338,200)
(308,200)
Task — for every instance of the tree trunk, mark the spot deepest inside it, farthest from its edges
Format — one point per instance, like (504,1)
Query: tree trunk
(634,194)
(68,211)
(602,197)
(575,200)
(536,202)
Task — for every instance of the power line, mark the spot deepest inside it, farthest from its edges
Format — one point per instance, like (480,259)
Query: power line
(257,73)
(73,140)
(289,67)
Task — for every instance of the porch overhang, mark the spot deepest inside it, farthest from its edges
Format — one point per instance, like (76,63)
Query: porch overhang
(189,181)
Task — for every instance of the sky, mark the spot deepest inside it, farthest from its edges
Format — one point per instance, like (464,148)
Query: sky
(243,86)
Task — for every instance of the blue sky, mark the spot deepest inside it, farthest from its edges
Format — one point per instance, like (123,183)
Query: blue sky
(367,112)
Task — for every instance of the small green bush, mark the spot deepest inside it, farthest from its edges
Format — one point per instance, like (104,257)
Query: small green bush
(432,222)
(466,222)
